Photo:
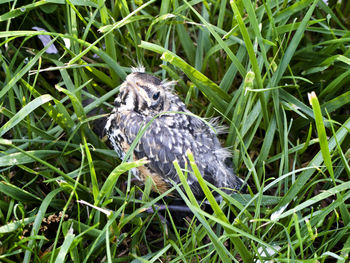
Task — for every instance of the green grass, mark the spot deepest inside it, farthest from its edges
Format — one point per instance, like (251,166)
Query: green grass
(277,74)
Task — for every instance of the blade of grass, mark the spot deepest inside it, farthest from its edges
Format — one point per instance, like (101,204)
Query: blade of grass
(38,220)
(109,42)
(316,161)
(21,158)
(216,95)
(288,55)
(50,166)
(94,182)
(211,29)
(108,185)
(237,242)
(321,131)
(24,70)
(250,49)
(332,191)
(116,25)
(24,112)
(68,240)
(12,226)
(18,193)
(192,202)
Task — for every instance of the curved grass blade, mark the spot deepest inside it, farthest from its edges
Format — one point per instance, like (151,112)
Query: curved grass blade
(50,166)
(25,69)
(38,220)
(10,227)
(228,51)
(24,112)
(250,49)
(209,88)
(316,161)
(192,203)
(21,158)
(288,55)
(243,251)
(333,191)
(68,240)
(115,26)
(113,177)
(18,193)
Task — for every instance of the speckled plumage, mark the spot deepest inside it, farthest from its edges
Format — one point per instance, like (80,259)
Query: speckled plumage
(142,97)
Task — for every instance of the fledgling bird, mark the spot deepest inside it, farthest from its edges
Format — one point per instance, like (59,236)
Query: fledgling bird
(142,97)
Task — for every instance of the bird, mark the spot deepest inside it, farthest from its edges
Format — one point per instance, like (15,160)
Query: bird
(173,130)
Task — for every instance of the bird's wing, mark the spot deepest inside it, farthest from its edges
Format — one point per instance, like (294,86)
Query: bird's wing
(164,141)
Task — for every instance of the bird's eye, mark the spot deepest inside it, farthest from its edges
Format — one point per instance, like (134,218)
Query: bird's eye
(117,102)
(156,95)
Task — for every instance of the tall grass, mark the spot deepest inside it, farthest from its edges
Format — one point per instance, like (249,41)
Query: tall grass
(276,72)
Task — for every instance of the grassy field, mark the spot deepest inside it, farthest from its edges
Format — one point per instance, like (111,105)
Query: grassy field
(276,73)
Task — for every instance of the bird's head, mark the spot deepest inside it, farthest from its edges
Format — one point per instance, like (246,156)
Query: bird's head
(142,93)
